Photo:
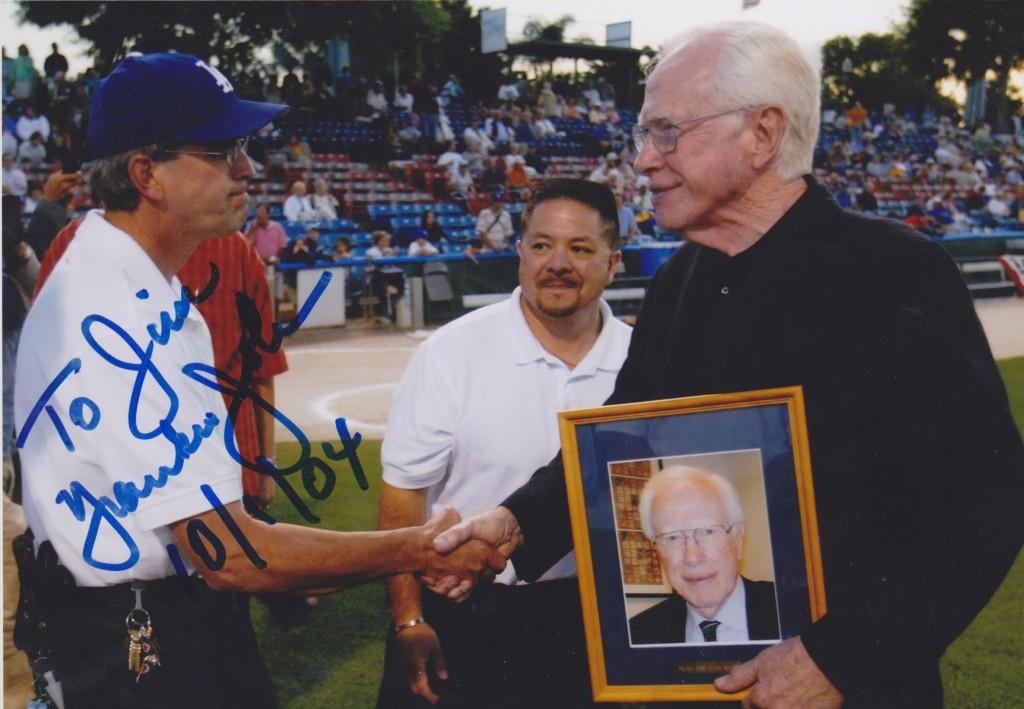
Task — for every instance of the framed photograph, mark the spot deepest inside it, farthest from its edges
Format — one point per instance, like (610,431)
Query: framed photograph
(696,537)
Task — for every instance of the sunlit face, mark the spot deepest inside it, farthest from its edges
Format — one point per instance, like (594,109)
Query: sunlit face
(564,259)
(204,193)
(693,185)
(703,575)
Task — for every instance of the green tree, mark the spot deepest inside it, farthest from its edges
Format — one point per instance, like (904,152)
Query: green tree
(381,35)
(873,69)
(966,40)
(548,31)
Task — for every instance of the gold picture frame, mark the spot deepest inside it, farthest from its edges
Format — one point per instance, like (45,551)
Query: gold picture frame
(758,440)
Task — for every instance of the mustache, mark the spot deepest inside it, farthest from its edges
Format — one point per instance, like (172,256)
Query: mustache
(564,282)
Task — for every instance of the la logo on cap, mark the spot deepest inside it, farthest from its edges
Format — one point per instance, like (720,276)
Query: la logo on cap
(221,80)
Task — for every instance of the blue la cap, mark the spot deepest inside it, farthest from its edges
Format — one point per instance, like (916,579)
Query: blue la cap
(150,98)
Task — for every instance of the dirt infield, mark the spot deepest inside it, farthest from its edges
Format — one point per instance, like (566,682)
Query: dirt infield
(351,371)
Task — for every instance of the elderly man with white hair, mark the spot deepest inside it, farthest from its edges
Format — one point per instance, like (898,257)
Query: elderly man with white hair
(917,462)
(695,521)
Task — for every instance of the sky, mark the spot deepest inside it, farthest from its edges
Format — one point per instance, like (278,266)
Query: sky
(810,22)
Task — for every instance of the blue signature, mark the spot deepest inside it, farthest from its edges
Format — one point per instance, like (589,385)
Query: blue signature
(317,476)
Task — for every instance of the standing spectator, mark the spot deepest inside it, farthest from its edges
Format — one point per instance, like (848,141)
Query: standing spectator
(386,282)
(32,122)
(323,202)
(856,117)
(452,90)
(494,226)
(14,180)
(56,65)
(33,151)
(424,104)
(266,236)
(23,76)
(298,208)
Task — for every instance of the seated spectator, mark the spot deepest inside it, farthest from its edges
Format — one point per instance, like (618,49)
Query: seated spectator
(421,246)
(298,208)
(387,283)
(600,173)
(494,226)
(498,130)
(14,180)
(432,229)
(476,140)
(266,236)
(547,103)
(403,100)
(32,122)
(461,183)
(323,202)
(494,176)
(35,194)
(517,175)
(522,131)
(920,220)
(543,127)
(508,92)
(33,151)
(376,99)
(627,220)
(643,201)
(10,142)
(298,151)
(999,206)
(450,159)
(866,200)
(305,250)
(342,249)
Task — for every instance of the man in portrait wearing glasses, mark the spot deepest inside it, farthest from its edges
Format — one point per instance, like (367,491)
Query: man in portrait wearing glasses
(138,541)
(695,521)
(917,462)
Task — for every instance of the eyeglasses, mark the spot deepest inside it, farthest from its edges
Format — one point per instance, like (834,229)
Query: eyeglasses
(666,135)
(229,154)
(706,538)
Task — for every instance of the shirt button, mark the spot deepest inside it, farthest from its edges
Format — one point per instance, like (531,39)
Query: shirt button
(725,290)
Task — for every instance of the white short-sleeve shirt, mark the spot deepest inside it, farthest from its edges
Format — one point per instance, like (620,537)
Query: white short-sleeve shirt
(100,313)
(475,413)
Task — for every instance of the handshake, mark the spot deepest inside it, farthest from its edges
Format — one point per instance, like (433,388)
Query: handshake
(464,553)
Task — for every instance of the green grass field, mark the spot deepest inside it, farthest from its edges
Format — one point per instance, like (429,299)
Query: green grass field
(335,661)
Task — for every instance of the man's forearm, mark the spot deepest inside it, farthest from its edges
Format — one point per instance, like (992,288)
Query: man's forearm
(402,508)
(264,388)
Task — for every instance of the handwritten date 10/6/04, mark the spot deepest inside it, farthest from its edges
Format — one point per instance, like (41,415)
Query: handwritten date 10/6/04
(317,476)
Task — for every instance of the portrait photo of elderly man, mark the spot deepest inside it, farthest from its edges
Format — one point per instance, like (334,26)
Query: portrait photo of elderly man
(695,521)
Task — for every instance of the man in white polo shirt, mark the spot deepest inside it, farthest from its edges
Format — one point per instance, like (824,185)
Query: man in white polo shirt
(474,413)
(131,480)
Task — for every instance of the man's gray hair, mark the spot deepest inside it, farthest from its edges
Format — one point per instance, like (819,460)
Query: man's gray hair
(110,184)
(758,65)
(680,475)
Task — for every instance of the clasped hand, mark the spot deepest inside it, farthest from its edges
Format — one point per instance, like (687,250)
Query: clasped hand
(463,564)
(495,529)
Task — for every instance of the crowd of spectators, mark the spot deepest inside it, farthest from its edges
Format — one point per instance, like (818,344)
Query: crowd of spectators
(490,149)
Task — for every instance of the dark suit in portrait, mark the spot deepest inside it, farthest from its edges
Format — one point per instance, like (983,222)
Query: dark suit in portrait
(666,622)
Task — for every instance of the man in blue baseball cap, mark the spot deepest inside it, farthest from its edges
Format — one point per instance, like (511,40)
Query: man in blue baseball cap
(132,484)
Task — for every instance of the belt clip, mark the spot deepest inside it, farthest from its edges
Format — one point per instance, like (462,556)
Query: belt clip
(138,587)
